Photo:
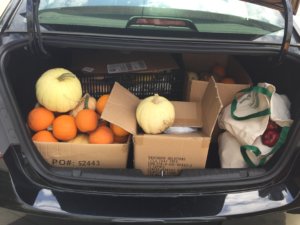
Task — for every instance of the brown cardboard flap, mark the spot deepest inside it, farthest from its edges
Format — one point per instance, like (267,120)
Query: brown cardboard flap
(196,90)
(188,114)
(120,108)
(211,107)
(226,94)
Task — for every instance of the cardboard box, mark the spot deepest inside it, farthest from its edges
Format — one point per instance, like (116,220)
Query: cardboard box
(84,155)
(200,63)
(107,63)
(167,154)
(103,64)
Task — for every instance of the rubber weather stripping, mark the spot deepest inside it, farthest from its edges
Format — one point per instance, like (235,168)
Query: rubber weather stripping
(33,28)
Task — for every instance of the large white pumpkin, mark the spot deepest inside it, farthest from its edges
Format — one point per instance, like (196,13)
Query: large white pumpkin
(155,114)
(59,90)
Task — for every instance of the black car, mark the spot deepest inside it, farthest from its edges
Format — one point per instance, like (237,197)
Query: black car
(40,35)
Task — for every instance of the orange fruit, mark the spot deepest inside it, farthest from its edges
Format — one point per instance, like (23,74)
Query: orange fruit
(86,120)
(64,128)
(120,140)
(228,80)
(40,118)
(101,102)
(219,70)
(118,131)
(44,136)
(102,135)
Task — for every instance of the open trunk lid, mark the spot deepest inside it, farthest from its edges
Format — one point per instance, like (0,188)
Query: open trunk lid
(141,17)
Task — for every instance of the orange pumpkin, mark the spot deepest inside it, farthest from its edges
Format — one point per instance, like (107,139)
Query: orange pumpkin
(219,70)
(101,103)
(118,131)
(44,136)
(86,120)
(40,118)
(120,140)
(102,135)
(64,128)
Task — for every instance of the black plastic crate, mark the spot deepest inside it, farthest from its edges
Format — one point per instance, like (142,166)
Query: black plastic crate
(169,84)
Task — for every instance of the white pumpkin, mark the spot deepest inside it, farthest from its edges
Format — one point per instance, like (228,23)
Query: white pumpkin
(155,114)
(59,90)
(86,102)
(192,76)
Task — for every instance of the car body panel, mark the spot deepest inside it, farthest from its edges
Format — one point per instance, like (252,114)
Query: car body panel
(102,207)
(41,197)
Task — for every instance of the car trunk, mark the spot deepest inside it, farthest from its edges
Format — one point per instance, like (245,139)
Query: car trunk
(24,68)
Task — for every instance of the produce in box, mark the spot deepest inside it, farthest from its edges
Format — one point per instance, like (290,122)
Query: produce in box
(155,114)
(39,119)
(59,90)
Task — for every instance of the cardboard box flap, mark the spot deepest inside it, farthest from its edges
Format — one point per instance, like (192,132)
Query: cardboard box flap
(187,114)
(196,90)
(211,107)
(120,108)
(226,94)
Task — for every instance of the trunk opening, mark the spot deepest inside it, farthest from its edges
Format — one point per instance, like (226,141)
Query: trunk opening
(23,69)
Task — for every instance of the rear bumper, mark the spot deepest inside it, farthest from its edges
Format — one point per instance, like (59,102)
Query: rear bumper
(18,192)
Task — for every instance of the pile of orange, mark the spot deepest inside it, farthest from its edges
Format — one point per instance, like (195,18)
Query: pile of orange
(49,128)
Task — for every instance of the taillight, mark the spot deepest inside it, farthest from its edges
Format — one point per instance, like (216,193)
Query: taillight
(161,22)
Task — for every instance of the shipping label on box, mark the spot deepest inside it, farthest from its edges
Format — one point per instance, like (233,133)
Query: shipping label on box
(84,155)
(160,155)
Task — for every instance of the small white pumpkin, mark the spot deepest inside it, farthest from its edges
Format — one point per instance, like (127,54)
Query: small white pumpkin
(86,102)
(59,90)
(192,76)
(155,114)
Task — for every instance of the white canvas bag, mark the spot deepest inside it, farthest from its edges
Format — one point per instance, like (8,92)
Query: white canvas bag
(247,118)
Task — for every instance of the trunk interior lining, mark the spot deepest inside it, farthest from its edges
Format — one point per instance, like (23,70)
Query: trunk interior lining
(261,69)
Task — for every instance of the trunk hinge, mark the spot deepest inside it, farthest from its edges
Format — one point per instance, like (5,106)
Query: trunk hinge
(33,28)
(288,29)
